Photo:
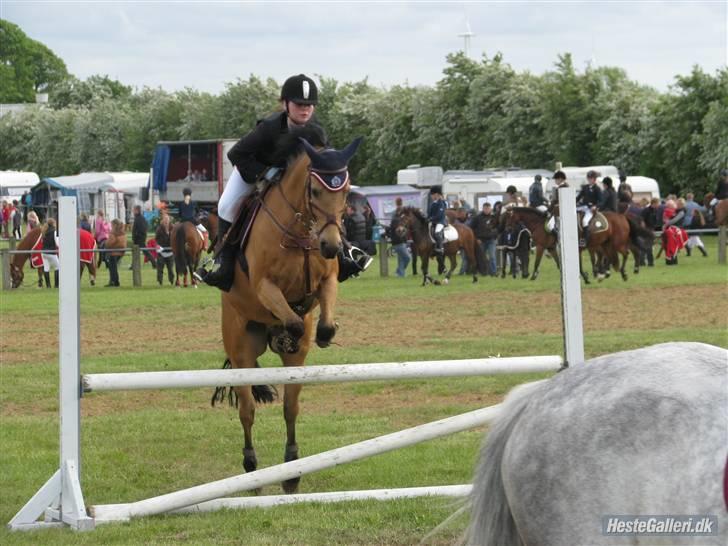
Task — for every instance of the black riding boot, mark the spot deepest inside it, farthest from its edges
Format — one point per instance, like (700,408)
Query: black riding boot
(224,275)
(703,252)
(439,243)
(585,235)
(55,279)
(47,277)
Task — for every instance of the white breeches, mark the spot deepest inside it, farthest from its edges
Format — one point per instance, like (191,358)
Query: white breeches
(551,223)
(50,261)
(713,201)
(587,215)
(542,208)
(235,189)
(439,228)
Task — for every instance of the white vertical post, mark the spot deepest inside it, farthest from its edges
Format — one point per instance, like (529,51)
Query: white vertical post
(72,509)
(69,330)
(570,280)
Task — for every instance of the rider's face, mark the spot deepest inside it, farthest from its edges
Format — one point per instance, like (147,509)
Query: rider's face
(300,114)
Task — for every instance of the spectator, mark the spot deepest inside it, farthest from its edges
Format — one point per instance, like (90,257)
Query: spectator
(399,241)
(369,222)
(354,225)
(652,217)
(203,176)
(101,233)
(5,219)
(33,221)
(50,252)
(17,219)
(673,236)
(116,242)
(536,198)
(84,223)
(693,210)
(165,257)
(484,228)
(25,201)
(139,235)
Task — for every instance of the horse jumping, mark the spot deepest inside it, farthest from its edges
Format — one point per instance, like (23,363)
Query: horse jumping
(634,433)
(413,220)
(290,268)
(29,242)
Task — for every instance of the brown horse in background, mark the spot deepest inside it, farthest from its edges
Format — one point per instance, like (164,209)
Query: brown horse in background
(414,221)
(291,268)
(188,244)
(622,236)
(535,222)
(17,262)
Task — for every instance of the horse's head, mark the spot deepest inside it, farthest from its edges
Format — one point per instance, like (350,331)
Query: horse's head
(16,275)
(327,187)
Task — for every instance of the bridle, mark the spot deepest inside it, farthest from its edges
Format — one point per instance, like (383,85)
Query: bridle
(307,219)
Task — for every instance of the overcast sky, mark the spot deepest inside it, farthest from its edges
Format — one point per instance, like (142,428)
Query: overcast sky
(208,44)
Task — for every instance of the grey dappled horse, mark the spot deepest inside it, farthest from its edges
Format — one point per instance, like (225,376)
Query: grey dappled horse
(640,432)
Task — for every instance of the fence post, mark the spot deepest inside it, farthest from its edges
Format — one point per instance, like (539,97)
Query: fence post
(136,266)
(722,242)
(383,258)
(6,257)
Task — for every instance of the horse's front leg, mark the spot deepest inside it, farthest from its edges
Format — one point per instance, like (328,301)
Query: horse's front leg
(273,299)
(624,265)
(539,254)
(326,328)
(291,406)
(583,273)
(425,266)
(453,265)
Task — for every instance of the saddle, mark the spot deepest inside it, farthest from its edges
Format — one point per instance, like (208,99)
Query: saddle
(449,233)
(597,224)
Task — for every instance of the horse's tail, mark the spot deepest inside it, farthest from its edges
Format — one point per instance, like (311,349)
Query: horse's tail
(491,520)
(640,236)
(261,393)
(178,248)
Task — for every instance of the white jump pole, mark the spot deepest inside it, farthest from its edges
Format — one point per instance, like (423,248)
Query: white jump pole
(268,501)
(61,499)
(319,374)
(300,467)
(570,281)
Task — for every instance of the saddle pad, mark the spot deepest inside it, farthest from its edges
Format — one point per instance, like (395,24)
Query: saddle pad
(598,223)
(450,233)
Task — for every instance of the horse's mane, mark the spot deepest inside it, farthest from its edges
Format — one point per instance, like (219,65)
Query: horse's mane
(289,146)
(529,210)
(417,213)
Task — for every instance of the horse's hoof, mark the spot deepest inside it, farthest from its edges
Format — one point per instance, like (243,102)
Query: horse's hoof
(290,486)
(324,335)
(624,276)
(250,461)
(445,281)
(475,279)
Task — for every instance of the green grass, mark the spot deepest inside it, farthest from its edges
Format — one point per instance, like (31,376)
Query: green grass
(141,444)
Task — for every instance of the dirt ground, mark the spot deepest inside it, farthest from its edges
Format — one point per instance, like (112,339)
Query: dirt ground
(477,315)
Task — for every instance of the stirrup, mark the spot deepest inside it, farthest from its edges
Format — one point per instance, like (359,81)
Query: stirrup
(359,257)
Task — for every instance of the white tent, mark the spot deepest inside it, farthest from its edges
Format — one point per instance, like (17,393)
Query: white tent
(14,183)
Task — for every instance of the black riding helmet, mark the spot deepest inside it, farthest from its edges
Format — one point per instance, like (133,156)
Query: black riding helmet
(300,89)
(186,191)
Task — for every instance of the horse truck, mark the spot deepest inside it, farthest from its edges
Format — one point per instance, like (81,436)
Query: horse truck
(200,165)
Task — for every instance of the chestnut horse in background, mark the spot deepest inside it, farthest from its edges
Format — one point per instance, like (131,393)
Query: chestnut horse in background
(290,267)
(188,244)
(17,262)
(535,221)
(412,220)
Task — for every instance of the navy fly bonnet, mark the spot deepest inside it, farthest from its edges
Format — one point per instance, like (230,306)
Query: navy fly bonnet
(330,166)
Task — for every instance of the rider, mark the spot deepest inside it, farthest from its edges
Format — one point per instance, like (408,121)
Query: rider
(252,158)
(189,211)
(559,179)
(438,218)
(587,201)
(536,198)
(624,193)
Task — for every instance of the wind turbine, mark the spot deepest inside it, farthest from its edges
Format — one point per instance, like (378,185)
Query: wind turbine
(466,36)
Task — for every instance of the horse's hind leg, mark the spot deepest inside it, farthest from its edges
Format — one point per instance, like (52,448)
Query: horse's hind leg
(291,406)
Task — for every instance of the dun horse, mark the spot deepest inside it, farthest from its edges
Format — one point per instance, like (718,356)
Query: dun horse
(413,220)
(535,221)
(632,434)
(291,267)
(27,243)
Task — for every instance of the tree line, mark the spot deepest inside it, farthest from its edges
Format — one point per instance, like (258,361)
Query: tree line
(482,113)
